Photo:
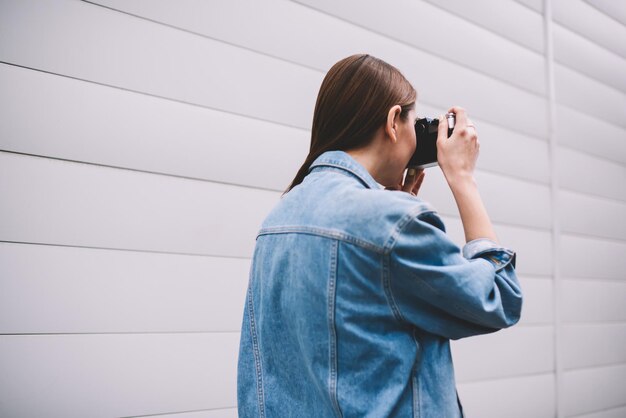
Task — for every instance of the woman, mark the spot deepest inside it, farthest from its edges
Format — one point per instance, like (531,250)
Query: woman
(355,291)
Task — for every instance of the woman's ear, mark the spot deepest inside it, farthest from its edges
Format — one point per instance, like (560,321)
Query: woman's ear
(392,122)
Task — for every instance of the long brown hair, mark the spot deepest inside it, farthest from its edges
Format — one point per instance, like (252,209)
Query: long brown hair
(353,102)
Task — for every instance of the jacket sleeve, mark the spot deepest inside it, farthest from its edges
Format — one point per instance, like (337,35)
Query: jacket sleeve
(454,294)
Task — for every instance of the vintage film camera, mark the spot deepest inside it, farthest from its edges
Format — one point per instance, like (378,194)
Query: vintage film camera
(426,133)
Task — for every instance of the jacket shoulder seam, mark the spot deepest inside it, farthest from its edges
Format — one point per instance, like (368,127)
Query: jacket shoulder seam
(402,223)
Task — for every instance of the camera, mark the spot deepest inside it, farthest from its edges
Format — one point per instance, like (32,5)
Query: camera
(426,134)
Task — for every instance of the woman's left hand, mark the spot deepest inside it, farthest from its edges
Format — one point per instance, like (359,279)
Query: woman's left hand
(412,181)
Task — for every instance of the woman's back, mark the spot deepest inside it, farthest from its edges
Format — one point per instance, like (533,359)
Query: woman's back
(354,294)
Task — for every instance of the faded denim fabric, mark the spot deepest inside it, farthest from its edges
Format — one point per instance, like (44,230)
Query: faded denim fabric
(353,297)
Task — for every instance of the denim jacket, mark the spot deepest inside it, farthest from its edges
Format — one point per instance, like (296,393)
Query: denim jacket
(354,295)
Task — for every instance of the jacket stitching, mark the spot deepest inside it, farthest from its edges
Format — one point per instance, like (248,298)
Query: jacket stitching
(389,247)
(386,279)
(402,223)
(348,172)
(257,357)
(417,413)
(360,176)
(328,233)
(332,341)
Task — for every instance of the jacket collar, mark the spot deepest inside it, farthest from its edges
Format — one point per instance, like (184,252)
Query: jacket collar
(343,161)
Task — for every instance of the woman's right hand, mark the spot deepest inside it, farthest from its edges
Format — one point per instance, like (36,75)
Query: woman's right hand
(457,154)
(457,157)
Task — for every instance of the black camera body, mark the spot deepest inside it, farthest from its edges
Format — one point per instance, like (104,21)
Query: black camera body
(426,134)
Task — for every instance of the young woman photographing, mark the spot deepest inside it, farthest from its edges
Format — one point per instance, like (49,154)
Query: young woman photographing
(356,290)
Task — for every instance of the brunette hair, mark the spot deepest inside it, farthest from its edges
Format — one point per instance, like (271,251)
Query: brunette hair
(353,102)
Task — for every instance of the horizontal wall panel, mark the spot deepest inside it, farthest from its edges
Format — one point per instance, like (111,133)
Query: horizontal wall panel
(508,352)
(587,95)
(173,214)
(510,153)
(588,215)
(536,5)
(619,412)
(189,140)
(149,292)
(593,345)
(538,304)
(611,8)
(519,397)
(99,124)
(78,290)
(267,29)
(487,54)
(586,20)
(592,258)
(505,198)
(590,134)
(156,59)
(533,257)
(96,206)
(507,19)
(216,413)
(503,150)
(579,53)
(593,300)
(584,173)
(581,17)
(533,247)
(593,389)
(116,374)
(438,81)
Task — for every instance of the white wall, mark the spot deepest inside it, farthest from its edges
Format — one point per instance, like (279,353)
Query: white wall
(143,141)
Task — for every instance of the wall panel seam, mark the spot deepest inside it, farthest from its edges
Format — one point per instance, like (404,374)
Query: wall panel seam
(90,247)
(233,408)
(594,279)
(592,79)
(609,199)
(590,3)
(33,334)
(595,411)
(590,116)
(599,279)
(573,234)
(597,366)
(510,377)
(608,323)
(593,156)
(554,206)
(594,196)
(583,36)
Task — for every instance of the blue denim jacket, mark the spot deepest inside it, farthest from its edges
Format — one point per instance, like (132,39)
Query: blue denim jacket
(353,297)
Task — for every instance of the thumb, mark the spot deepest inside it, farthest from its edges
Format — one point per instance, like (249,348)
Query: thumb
(409,180)
(442,129)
